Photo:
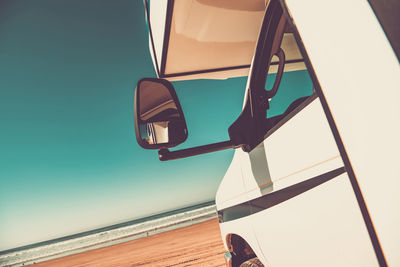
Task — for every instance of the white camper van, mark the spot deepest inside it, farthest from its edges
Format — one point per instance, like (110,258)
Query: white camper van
(317,184)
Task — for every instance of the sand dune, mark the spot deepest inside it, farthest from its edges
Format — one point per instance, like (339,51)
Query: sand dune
(195,245)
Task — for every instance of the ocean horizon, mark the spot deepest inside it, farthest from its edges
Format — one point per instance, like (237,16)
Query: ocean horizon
(109,235)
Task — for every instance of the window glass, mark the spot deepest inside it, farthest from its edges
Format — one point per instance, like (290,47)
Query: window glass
(294,85)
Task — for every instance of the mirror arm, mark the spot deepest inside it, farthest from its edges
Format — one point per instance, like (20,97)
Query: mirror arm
(164,154)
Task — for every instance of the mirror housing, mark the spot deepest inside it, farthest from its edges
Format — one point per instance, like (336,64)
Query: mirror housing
(160,124)
(159,120)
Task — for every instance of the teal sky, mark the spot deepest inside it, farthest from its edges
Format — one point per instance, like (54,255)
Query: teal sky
(69,160)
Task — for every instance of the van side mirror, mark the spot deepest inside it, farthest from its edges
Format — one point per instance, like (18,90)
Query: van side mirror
(159,120)
(160,124)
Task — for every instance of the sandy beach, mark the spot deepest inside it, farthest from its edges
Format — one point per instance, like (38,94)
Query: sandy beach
(195,245)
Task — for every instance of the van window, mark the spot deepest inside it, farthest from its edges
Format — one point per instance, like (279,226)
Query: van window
(295,86)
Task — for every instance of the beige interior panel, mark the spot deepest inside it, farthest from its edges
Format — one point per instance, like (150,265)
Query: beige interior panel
(208,35)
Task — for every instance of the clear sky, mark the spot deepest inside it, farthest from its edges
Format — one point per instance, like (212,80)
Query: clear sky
(69,161)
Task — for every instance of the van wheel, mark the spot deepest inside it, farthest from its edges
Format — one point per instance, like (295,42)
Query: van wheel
(254,262)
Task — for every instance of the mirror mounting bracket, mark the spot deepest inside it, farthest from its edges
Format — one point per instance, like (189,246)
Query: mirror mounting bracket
(164,154)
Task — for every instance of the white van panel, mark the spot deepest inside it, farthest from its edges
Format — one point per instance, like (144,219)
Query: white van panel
(360,78)
(158,15)
(254,190)
(231,190)
(321,227)
(304,142)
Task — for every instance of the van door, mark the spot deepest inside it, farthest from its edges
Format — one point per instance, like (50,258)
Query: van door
(304,211)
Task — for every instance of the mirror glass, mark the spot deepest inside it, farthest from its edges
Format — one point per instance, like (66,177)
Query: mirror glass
(160,121)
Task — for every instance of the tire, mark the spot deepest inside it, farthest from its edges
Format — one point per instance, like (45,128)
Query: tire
(254,262)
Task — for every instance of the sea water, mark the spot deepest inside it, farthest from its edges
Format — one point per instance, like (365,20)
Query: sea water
(107,236)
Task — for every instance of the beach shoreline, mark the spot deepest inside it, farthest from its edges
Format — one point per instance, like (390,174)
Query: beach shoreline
(195,245)
(108,236)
